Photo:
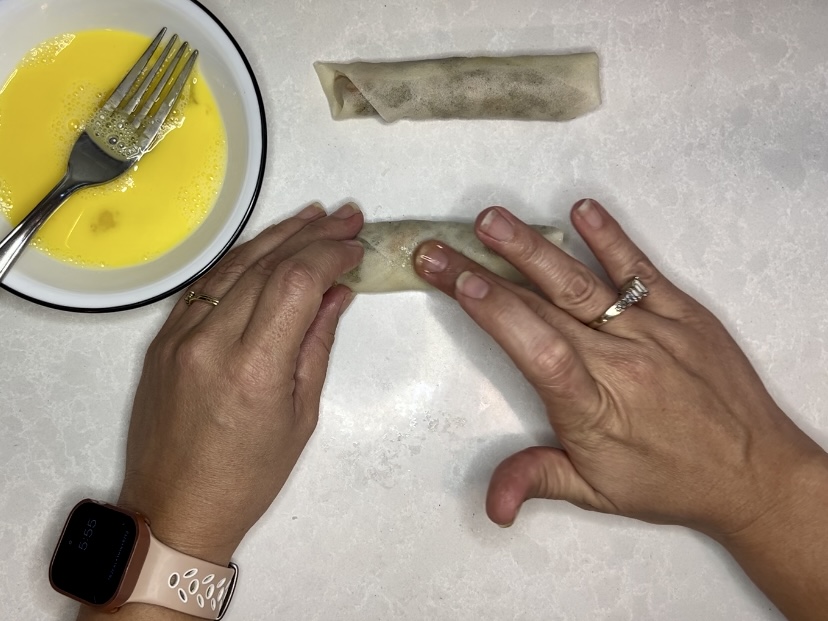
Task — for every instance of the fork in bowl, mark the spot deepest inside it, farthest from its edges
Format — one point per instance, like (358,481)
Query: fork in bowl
(122,130)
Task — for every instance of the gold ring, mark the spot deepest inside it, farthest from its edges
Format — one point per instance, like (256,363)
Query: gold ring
(192,296)
(631,293)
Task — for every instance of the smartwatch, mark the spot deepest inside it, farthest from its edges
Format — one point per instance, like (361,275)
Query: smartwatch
(107,557)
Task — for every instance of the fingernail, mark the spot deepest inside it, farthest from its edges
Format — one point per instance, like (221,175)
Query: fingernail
(346,303)
(310,212)
(353,242)
(346,211)
(472,286)
(434,260)
(495,225)
(590,214)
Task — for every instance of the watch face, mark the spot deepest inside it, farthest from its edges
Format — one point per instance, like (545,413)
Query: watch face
(93,553)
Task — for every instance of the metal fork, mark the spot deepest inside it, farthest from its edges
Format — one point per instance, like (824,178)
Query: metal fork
(121,131)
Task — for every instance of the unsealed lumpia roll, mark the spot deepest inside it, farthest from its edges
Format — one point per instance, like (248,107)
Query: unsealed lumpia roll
(535,88)
(389,249)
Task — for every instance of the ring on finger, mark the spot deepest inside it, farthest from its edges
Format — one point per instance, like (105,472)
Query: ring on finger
(631,293)
(192,296)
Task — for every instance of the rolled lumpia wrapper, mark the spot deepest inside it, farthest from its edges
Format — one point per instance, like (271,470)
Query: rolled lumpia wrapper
(538,88)
(389,253)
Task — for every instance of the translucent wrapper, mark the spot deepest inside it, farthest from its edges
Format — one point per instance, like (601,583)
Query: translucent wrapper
(389,250)
(535,88)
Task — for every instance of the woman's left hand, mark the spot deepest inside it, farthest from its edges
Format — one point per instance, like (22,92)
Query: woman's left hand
(230,394)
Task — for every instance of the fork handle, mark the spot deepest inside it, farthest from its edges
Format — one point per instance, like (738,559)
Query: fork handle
(15,242)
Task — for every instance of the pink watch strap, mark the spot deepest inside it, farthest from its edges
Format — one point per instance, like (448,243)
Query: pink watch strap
(184,583)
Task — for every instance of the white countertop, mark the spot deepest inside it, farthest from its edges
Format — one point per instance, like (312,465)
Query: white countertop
(711,147)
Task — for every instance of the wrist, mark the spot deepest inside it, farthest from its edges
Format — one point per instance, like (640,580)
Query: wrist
(183,526)
(800,494)
(784,551)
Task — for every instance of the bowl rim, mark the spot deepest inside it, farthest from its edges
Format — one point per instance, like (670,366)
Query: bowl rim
(232,240)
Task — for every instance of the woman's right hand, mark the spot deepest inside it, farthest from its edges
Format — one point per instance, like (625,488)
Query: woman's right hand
(659,414)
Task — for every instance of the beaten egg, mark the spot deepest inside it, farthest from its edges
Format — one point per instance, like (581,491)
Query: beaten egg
(146,212)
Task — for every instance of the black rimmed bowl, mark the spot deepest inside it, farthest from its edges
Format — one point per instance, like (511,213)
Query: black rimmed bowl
(24,24)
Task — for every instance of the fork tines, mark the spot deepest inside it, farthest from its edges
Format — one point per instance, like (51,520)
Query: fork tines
(130,97)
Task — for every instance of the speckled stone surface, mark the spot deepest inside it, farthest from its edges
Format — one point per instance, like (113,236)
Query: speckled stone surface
(711,147)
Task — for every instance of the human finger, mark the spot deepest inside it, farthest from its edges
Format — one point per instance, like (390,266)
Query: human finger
(218,281)
(440,266)
(233,315)
(542,353)
(538,472)
(315,351)
(569,284)
(292,296)
(622,260)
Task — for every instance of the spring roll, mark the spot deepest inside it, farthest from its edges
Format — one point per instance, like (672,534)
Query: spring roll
(534,88)
(389,249)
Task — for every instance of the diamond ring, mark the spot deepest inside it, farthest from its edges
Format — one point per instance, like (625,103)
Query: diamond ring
(631,293)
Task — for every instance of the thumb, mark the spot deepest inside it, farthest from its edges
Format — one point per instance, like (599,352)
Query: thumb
(312,363)
(538,472)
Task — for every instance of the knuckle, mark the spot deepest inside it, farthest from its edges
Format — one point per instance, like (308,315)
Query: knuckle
(296,275)
(503,313)
(275,230)
(577,289)
(250,381)
(158,345)
(264,266)
(645,270)
(623,252)
(277,233)
(232,266)
(162,348)
(618,248)
(699,318)
(326,229)
(530,251)
(552,362)
(192,353)
(250,378)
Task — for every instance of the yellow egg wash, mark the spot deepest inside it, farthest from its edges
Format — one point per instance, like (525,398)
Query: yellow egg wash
(44,105)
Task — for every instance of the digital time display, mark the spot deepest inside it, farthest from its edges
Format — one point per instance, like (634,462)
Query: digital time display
(93,553)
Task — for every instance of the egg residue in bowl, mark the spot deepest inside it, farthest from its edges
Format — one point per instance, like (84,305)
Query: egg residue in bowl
(44,106)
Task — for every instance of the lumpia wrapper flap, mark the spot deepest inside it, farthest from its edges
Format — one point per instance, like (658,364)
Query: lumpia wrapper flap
(543,88)
(389,252)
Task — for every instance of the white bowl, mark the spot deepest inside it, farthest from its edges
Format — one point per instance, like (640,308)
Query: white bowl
(37,277)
